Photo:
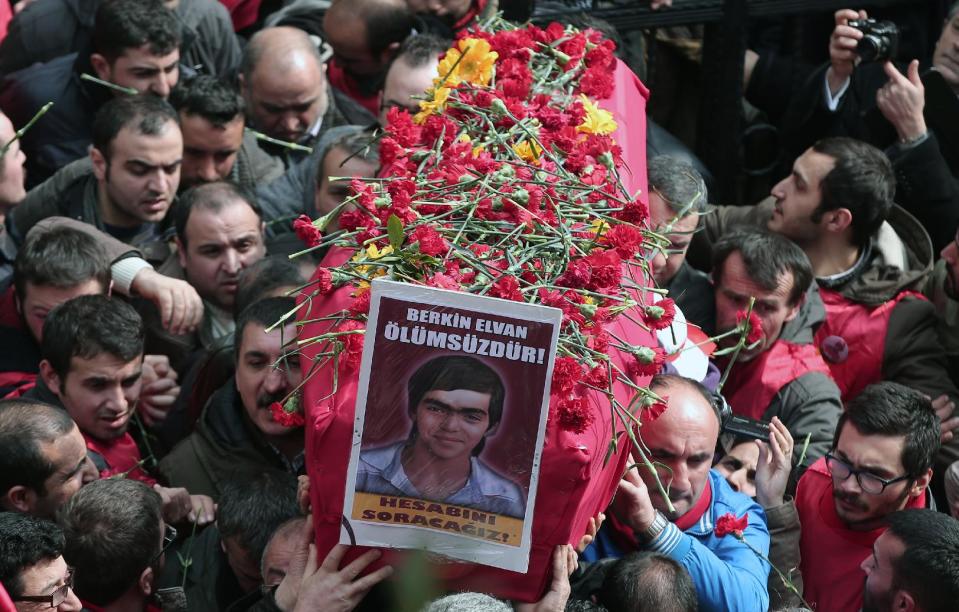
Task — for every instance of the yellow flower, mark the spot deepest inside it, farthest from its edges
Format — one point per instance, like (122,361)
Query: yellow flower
(374,253)
(597,120)
(529,151)
(478,59)
(599,227)
(435,105)
(448,70)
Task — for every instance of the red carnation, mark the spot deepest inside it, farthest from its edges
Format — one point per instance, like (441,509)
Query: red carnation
(598,376)
(443,281)
(577,275)
(566,373)
(659,315)
(352,343)
(361,304)
(597,83)
(401,126)
(754,331)
(323,280)
(653,408)
(574,414)
(430,241)
(607,270)
(729,524)
(285,418)
(626,239)
(648,360)
(306,231)
(507,288)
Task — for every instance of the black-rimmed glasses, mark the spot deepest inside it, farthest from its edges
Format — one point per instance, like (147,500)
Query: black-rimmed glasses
(868,482)
(169,537)
(55,598)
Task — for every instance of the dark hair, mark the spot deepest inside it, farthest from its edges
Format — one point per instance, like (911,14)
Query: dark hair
(214,197)
(209,97)
(148,115)
(385,22)
(929,566)
(262,277)
(862,181)
(112,528)
(253,505)
(24,426)
(24,542)
(648,581)
(767,256)
(87,326)
(678,183)
(60,257)
(127,24)
(894,410)
(663,381)
(265,313)
(420,49)
(451,372)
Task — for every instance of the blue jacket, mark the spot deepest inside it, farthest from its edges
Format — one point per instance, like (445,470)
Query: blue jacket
(727,575)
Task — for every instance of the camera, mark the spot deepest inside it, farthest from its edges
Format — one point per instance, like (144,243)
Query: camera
(739,426)
(879,42)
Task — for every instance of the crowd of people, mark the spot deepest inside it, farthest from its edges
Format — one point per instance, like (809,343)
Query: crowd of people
(144,265)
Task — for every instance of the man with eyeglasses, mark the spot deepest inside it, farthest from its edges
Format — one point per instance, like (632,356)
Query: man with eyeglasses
(116,538)
(880,462)
(32,568)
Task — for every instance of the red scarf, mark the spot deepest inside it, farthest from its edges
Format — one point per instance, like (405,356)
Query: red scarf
(626,538)
(348,85)
(476,7)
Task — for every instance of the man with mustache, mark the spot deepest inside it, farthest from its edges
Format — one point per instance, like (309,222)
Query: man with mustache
(681,442)
(781,374)
(237,429)
(881,462)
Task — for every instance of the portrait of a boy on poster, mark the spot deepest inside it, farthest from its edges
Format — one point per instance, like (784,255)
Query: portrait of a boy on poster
(450,418)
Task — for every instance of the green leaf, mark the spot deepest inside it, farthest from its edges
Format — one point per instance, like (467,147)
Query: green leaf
(394,228)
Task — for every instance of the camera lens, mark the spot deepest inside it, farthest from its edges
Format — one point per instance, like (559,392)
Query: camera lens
(870,47)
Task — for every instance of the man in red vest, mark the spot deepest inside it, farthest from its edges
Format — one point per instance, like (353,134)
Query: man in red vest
(782,374)
(880,463)
(869,258)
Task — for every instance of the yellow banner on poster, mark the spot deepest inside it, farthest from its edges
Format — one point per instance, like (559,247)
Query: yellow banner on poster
(393,510)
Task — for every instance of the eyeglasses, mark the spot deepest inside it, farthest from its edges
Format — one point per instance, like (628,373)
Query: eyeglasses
(169,537)
(869,483)
(55,598)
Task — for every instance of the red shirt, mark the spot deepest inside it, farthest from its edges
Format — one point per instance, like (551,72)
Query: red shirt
(121,457)
(831,552)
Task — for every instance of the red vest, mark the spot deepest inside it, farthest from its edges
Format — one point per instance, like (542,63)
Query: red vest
(853,339)
(831,552)
(752,385)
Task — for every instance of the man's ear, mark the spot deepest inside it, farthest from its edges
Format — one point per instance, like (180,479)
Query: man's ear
(181,251)
(101,66)
(837,221)
(145,582)
(99,164)
(50,378)
(903,601)
(920,484)
(19,499)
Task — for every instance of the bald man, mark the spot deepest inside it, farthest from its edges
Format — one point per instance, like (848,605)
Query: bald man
(365,36)
(681,442)
(287,97)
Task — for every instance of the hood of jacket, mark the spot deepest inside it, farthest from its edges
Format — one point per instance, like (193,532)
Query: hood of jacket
(901,258)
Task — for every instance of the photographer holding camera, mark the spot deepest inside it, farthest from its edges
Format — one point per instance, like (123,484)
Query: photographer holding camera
(909,110)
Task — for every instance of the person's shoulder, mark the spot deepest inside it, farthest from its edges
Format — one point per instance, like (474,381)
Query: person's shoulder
(492,483)
(379,458)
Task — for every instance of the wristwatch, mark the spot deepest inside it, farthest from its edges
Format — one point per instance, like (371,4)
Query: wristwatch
(655,528)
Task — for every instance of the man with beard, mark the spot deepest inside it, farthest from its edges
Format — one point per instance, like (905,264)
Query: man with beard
(237,429)
(681,442)
(914,565)
(219,232)
(781,373)
(881,462)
